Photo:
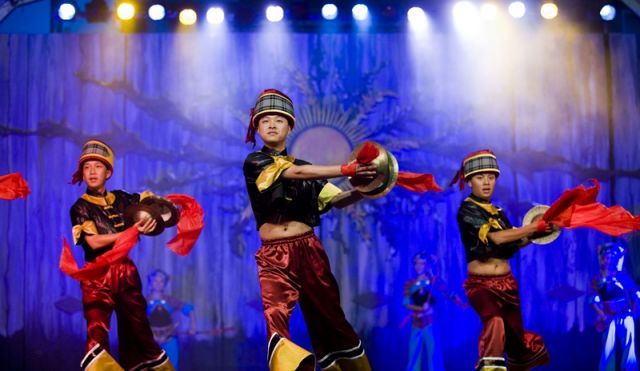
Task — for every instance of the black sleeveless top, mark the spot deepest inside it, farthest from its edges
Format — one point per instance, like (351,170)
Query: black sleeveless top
(285,199)
(106,212)
(471,218)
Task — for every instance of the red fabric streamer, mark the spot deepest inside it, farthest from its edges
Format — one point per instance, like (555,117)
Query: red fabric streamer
(416,182)
(13,186)
(189,227)
(190,224)
(94,270)
(577,208)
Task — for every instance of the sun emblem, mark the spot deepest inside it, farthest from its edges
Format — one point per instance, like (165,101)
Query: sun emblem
(328,123)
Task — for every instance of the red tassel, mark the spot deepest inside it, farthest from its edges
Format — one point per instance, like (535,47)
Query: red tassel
(189,226)
(458,178)
(367,153)
(418,183)
(121,248)
(13,186)
(251,131)
(577,208)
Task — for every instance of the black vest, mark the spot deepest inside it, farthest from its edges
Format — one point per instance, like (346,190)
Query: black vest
(471,217)
(285,199)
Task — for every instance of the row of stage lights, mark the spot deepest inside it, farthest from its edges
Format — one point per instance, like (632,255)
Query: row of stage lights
(126,11)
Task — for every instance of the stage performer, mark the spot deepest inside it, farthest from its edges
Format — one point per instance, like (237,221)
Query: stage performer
(97,219)
(420,297)
(161,310)
(615,300)
(287,197)
(490,241)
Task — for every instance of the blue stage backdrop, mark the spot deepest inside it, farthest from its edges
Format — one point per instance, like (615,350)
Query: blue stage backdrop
(175,109)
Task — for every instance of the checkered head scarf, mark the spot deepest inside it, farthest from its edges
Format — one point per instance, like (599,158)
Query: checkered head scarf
(482,161)
(93,149)
(270,101)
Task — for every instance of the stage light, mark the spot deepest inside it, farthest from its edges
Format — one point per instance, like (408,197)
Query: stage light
(360,12)
(465,16)
(274,13)
(489,12)
(125,11)
(549,10)
(517,9)
(608,12)
(417,18)
(66,11)
(329,12)
(156,12)
(215,15)
(188,17)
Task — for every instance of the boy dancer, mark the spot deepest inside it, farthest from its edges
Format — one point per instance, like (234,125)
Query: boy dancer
(490,241)
(287,197)
(97,219)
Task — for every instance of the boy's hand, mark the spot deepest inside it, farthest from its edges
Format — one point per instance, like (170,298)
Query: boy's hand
(146,226)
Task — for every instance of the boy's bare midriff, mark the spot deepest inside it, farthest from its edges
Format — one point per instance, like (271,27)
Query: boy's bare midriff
(283,229)
(491,267)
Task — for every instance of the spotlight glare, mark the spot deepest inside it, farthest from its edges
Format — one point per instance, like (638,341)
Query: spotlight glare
(517,9)
(465,16)
(274,13)
(188,17)
(360,12)
(489,12)
(125,11)
(156,12)
(66,11)
(329,12)
(417,18)
(608,13)
(215,15)
(549,10)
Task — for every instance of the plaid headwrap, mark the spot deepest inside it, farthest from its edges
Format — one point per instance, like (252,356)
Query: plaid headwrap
(270,101)
(93,149)
(478,162)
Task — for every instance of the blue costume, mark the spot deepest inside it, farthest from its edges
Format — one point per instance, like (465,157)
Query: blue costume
(419,297)
(162,311)
(614,299)
(424,352)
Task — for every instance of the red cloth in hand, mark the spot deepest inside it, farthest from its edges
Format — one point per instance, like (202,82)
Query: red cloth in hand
(541,226)
(349,169)
(416,182)
(13,186)
(577,208)
(189,226)
(94,270)
(367,153)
